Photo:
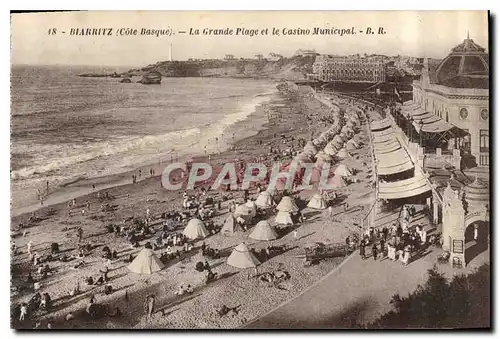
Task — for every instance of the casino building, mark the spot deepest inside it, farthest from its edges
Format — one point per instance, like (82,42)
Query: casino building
(332,68)
(451,103)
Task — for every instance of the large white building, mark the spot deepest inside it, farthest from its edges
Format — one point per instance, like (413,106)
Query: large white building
(457,91)
(349,68)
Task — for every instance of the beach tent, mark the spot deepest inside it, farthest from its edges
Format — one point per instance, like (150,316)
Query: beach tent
(317,202)
(302,158)
(263,231)
(284,218)
(344,137)
(253,208)
(230,226)
(337,141)
(264,200)
(146,262)
(342,154)
(287,205)
(195,229)
(336,181)
(241,257)
(244,212)
(310,149)
(330,149)
(343,170)
(351,145)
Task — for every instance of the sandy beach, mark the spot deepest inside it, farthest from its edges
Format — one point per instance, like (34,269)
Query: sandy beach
(278,124)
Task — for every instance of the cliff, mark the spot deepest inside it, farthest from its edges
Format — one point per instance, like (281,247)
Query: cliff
(294,68)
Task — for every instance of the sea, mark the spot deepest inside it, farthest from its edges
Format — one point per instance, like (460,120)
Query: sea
(66,128)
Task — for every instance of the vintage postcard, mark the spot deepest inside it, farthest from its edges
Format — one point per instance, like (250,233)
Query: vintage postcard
(250,170)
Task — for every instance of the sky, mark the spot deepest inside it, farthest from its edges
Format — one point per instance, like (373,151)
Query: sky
(415,33)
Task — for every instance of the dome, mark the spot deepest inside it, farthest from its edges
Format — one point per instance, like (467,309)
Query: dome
(467,66)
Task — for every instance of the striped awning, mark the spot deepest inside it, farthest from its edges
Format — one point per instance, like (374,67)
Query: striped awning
(403,188)
(426,121)
(379,125)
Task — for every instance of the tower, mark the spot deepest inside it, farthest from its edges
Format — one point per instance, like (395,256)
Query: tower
(170,52)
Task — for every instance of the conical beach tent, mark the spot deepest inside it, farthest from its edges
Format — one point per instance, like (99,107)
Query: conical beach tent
(287,205)
(317,202)
(244,212)
(264,200)
(343,171)
(263,231)
(342,154)
(230,226)
(146,262)
(241,257)
(330,149)
(253,208)
(284,218)
(195,229)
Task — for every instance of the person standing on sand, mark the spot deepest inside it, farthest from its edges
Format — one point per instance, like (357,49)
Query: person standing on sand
(80,233)
(140,173)
(374,251)
(295,235)
(30,243)
(150,305)
(362,250)
(330,211)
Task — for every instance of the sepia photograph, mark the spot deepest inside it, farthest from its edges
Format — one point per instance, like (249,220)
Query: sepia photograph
(250,170)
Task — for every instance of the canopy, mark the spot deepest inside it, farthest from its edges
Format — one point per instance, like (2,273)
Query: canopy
(387,147)
(343,170)
(284,218)
(287,205)
(317,202)
(146,262)
(253,208)
(230,226)
(241,257)
(379,125)
(264,200)
(195,229)
(403,188)
(426,121)
(263,231)
(393,162)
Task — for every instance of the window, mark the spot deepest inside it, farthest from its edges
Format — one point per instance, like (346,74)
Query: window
(484,160)
(484,140)
(463,113)
(484,114)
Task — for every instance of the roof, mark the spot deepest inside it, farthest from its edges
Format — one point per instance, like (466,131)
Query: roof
(380,124)
(426,121)
(403,188)
(467,66)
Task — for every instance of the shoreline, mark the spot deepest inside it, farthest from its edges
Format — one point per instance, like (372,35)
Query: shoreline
(291,118)
(78,188)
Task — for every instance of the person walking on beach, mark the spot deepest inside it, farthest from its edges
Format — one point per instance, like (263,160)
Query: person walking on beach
(23,312)
(295,235)
(150,305)
(80,233)
(330,211)
(30,243)
(362,250)
(374,251)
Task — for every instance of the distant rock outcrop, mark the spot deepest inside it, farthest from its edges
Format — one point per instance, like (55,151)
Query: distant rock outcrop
(152,78)
(126,81)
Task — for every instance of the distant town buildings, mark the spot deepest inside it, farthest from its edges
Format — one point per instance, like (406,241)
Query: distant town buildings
(306,52)
(229,57)
(355,68)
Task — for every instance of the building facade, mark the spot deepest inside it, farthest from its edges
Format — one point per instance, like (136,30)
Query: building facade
(457,90)
(330,68)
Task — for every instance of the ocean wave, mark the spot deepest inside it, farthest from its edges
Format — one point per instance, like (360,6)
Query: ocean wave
(102,149)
